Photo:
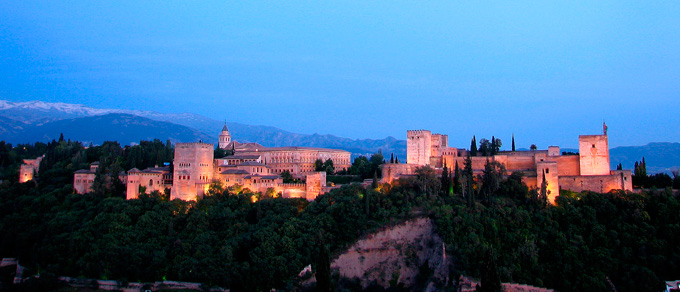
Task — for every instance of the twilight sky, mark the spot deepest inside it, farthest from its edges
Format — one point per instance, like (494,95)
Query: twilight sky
(546,71)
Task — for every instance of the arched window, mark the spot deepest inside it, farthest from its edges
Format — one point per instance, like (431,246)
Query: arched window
(150,182)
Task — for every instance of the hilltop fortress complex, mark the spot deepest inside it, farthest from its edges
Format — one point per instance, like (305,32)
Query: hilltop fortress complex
(589,170)
(259,168)
(252,166)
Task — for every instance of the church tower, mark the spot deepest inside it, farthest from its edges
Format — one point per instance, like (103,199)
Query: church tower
(225,137)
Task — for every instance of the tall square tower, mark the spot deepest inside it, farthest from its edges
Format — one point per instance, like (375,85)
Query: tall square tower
(193,170)
(594,154)
(418,147)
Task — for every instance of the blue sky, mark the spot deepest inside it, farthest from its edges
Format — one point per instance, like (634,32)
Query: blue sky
(546,72)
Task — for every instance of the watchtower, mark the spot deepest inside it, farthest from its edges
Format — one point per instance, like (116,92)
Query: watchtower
(193,170)
(594,154)
(418,147)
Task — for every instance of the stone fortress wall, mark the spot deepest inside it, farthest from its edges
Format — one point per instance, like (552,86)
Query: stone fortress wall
(588,171)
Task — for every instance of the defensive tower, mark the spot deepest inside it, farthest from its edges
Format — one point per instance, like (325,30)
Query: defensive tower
(594,154)
(193,170)
(418,147)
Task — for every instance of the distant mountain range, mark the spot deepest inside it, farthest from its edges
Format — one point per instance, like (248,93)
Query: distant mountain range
(29,122)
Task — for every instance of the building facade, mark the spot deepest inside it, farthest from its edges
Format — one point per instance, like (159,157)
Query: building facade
(253,166)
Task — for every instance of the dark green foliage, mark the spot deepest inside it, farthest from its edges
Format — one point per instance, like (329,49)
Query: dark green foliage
(658,180)
(227,240)
(288,178)
(447,188)
(366,167)
(318,165)
(485,147)
(574,246)
(490,280)
(328,167)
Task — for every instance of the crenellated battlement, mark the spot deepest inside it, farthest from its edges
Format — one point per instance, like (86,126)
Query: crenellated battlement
(417,132)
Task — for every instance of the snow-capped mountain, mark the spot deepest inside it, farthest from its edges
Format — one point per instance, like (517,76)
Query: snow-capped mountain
(40,117)
(39,112)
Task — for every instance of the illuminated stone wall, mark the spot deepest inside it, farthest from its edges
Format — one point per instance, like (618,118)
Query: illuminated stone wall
(617,180)
(594,154)
(193,170)
(549,171)
(418,147)
(28,169)
(314,185)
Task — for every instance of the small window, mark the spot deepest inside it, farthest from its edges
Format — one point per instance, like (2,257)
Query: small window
(593,145)
(547,170)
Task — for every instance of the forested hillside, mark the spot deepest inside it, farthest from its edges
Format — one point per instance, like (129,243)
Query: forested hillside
(494,227)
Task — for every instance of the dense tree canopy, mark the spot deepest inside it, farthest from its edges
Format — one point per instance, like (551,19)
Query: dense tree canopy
(494,227)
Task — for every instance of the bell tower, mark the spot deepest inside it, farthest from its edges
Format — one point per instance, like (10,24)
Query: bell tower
(225,137)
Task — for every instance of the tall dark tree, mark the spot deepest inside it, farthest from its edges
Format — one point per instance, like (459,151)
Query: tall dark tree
(374,183)
(468,182)
(496,145)
(328,167)
(492,177)
(485,147)
(396,160)
(323,270)
(491,279)
(640,178)
(318,165)
(446,180)
(392,158)
(456,179)
(513,142)
(473,146)
(543,194)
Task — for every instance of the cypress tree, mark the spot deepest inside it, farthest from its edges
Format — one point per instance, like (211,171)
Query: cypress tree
(323,270)
(446,181)
(491,279)
(473,146)
(513,142)
(468,181)
(392,158)
(396,160)
(374,184)
(456,179)
(493,145)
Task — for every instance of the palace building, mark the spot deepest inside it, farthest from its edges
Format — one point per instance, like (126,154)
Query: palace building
(252,166)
